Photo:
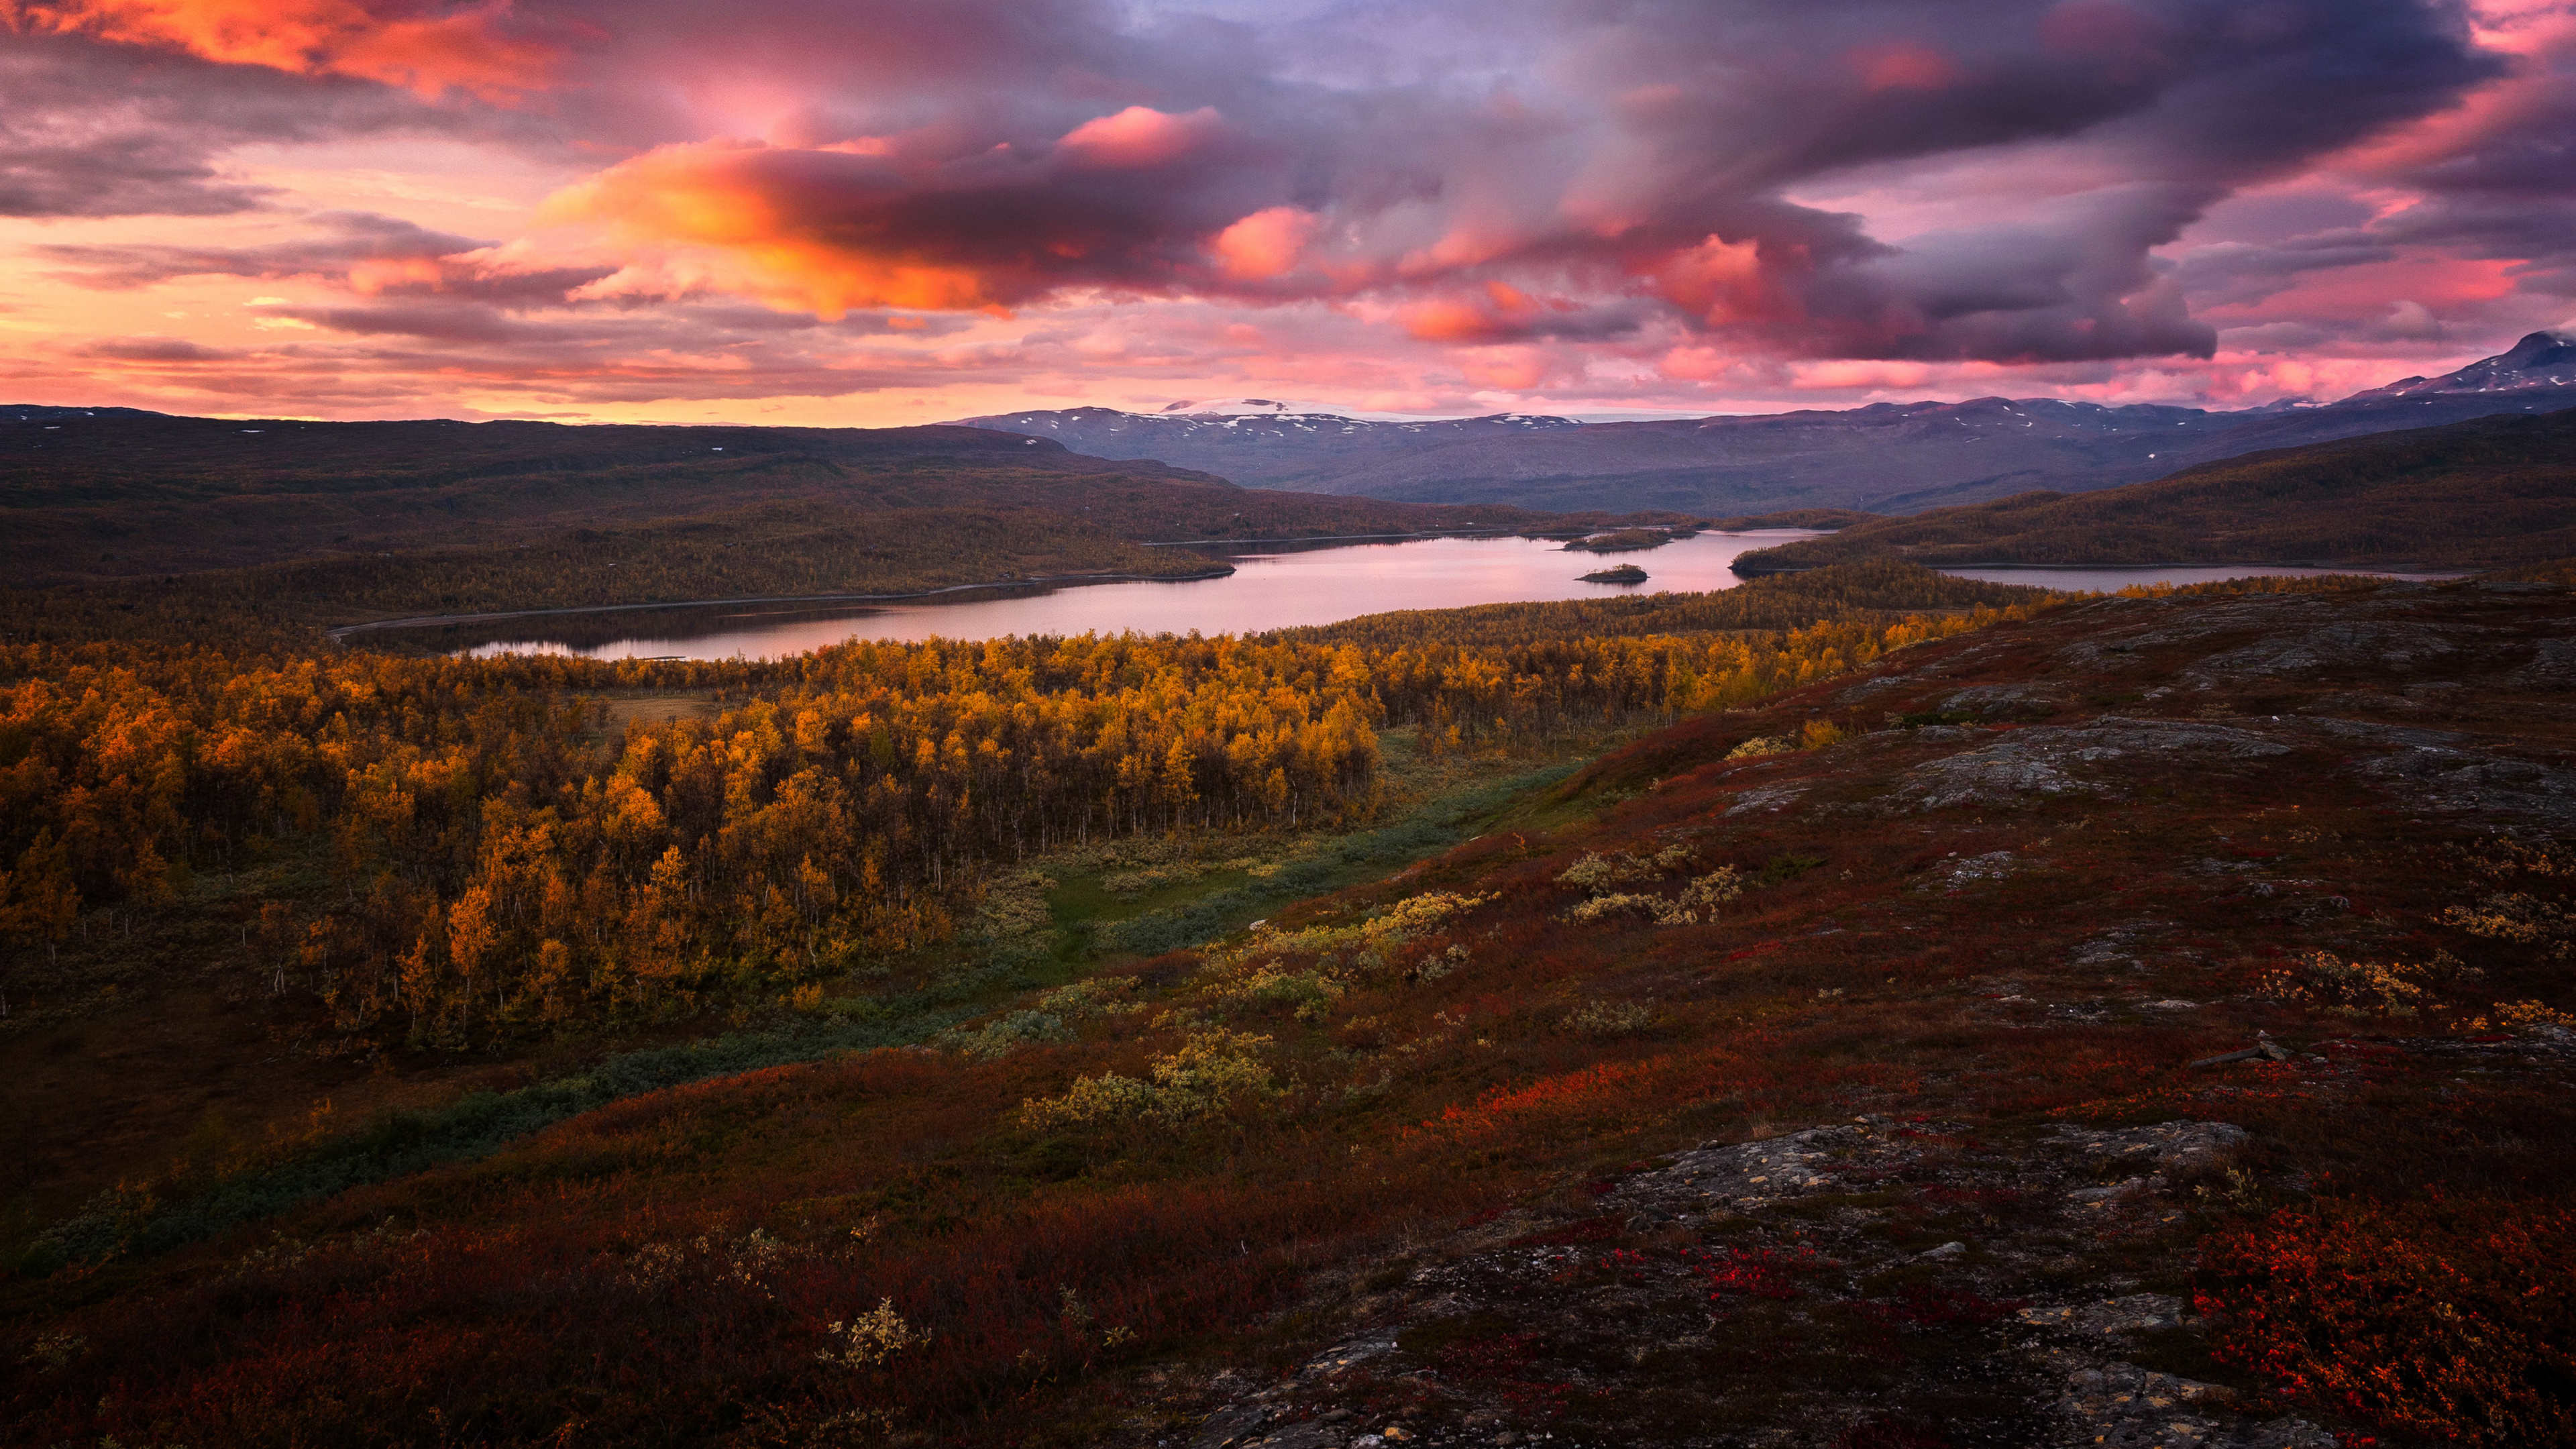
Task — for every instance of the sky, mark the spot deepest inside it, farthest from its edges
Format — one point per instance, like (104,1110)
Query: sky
(879,212)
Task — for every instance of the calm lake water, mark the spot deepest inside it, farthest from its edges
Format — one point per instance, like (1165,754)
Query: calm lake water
(1268,590)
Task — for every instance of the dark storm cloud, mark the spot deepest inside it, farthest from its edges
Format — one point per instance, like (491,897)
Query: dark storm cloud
(2175,103)
(102,130)
(346,238)
(1648,148)
(153,349)
(377,255)
(1520,170)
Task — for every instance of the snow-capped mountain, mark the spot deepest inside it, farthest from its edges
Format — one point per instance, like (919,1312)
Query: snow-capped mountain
(1887,457)
(2541,360)
(1263,449)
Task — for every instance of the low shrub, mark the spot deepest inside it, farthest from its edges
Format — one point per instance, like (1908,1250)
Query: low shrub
(1611,1018)
(2450,1319)
(2524,920)
(1212,1071)
(1598,873)
(2392,988)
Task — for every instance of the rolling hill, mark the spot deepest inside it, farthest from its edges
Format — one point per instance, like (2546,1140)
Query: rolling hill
(113,492)
(2492,492)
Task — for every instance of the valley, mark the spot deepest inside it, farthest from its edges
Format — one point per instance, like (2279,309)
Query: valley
(1979,1033)
(1857,1007)
(1197,725)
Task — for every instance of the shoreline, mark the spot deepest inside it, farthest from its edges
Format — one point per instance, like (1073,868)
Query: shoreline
(431,621)
(1737,568)
(1344,538)
(1544,533)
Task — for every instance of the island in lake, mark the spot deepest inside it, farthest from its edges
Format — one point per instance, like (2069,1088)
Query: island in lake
(1623,574)
(1628,539)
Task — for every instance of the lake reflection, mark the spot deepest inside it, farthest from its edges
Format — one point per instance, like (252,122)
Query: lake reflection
(1272,590)
(1269,590)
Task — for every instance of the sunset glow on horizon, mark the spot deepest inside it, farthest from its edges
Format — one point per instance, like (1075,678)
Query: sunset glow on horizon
(792,212)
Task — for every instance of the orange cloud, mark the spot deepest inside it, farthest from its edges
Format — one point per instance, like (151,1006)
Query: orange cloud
(1512,369)
(881,223)
(1832,375)
(1504,312)
(431,52)
(1267,243)
(1449,320)
(1723,283)
(737,228)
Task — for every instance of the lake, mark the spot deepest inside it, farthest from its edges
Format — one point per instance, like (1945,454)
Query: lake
(1272,588)
(1269,589)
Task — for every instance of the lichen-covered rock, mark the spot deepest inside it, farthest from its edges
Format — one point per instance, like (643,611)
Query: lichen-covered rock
(2167,1146)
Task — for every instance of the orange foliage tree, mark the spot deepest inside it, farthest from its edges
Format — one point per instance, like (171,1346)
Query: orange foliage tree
(499,858)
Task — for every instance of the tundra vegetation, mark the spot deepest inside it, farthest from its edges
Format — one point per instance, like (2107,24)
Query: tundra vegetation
(1614,1033)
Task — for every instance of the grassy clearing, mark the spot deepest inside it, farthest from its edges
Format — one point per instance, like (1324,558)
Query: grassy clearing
(1040,927)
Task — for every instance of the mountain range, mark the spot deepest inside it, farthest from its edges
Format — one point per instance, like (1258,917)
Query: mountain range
(1887,458)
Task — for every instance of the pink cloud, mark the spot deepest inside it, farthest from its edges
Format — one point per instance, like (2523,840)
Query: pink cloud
(1733,206)
(1139,136)
(1904,67)
(1269,243)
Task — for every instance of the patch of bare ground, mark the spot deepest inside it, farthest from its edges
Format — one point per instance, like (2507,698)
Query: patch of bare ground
(652,709)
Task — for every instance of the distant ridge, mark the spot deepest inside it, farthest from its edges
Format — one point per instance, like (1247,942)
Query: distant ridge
(2541,360)
(92,493)
(1887,458)
(1263,444)
(2490,492)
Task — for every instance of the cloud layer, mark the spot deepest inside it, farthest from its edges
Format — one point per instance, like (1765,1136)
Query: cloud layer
(1617,203)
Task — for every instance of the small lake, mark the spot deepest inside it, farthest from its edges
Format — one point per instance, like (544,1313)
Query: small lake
(1269,589)
(1275,588)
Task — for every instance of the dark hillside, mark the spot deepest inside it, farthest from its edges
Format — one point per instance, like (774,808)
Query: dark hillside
(1780,602)
(109,493)
(2494,491)
(1793,518)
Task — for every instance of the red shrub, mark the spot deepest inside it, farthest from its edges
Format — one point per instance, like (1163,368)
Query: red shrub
(2452,1319)
(1757,1272)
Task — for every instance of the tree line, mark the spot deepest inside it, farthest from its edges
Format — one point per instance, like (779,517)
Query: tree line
(500,859)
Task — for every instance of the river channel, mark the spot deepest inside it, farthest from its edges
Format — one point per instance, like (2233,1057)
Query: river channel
(1269,589)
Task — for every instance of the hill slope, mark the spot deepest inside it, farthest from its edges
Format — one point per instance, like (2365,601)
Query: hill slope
(105,492)
(2144,1023)
(1887,458)
(2495,491)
